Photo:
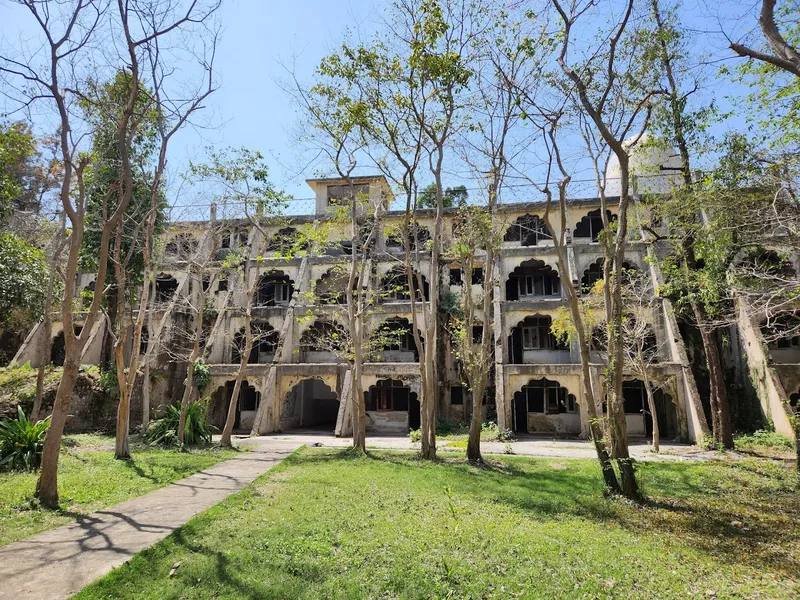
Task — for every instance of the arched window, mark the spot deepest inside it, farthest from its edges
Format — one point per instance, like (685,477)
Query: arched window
(543,396)
(274,289)
(395,286)
(533,279)
(630,273)
(591,225)
(528,230)
(166,285)
(265,342)
(388,395)
(322,336)
(417,235)
(533,335)
(393,336)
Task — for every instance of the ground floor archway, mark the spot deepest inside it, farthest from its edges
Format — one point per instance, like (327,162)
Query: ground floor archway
(637,411)
(246,408)
(545,406)
(310,404)
(392,406)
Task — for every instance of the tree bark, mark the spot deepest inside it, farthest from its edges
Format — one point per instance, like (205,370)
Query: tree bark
(651,402)
(474,440)
(47,485)
(720,410)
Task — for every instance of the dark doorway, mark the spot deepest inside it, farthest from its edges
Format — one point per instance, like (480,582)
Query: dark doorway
(58,349)
(414,418)
(310,404)
(520,413)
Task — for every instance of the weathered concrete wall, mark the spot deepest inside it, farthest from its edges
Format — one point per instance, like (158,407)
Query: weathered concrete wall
(563,423)
(763,376)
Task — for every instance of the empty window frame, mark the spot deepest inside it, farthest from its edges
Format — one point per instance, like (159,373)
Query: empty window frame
(388,396)
(343,194)
(539,285)
(547,397)
(536,335)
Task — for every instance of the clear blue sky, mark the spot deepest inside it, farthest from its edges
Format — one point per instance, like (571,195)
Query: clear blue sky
(250,109)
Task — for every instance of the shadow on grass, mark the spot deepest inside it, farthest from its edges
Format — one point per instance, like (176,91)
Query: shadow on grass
(736,517)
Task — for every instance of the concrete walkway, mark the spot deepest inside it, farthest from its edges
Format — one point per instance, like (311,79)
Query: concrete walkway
(58,563)
(525,445)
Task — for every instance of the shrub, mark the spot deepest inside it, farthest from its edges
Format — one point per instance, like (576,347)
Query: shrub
(21,442)
(492,432)
(415,435)
(445,426)
(764,439)
(197,431)
(109,382)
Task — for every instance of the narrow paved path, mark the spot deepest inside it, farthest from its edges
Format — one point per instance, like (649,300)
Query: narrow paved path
(55,564)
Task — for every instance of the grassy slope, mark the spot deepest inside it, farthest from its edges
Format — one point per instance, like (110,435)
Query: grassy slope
(325,524)
(90,479)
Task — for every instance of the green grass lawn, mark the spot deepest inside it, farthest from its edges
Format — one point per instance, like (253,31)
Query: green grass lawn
(90,479)
(328,524)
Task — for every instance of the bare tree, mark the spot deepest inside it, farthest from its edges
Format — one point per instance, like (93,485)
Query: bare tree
(240,178)
(173,110)
(780,52)
(337,115)
(614,95)
(70,34)
(55,253)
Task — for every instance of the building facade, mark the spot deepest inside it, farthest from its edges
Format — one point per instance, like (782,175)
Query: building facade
(293,380)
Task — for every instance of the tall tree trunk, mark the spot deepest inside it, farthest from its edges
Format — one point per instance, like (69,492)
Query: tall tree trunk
(720,411)
(185,399)
(651,402)
(474,440)
(230,420)
(47,485)
(590,397)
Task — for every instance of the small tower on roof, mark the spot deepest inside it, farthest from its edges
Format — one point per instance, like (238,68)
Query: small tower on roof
(337,191)
(655,167)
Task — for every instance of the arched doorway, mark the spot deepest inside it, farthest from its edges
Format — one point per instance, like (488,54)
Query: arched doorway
(392,406)
(58,349)
(545,406)
(310,404)
(637,411)
(246,409)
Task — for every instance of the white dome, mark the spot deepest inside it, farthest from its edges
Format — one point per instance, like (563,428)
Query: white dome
(655,166)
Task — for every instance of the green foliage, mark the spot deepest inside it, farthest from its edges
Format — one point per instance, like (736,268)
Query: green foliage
(198,431)
(24,274)
(445,426)
(201,375)
(103,106)
(451,197)
(239,181)
(18,384)
(21,442)
(763,439)
(492,432)
(773,105)
(22,176)
(415,435)
(109,382)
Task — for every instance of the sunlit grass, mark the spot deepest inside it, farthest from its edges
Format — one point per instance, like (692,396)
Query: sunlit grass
(330,524)
(90,479)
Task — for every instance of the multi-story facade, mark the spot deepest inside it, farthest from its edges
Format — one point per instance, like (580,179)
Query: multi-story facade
(293,381)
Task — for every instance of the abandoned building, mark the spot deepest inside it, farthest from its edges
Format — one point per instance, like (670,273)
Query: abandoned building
(295,380)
